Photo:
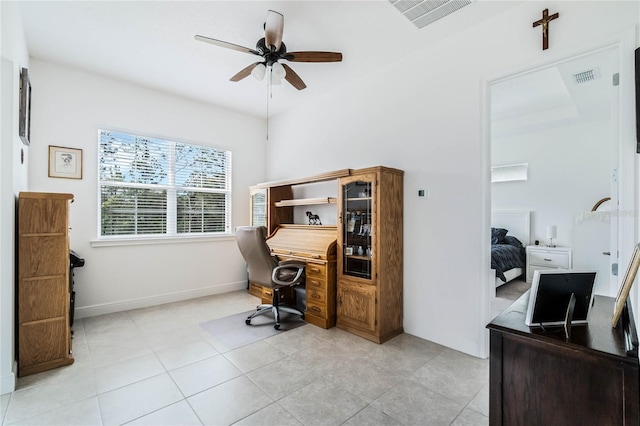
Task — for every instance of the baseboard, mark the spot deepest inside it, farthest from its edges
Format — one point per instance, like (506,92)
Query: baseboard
(468,346)
(8,382)
(126,305)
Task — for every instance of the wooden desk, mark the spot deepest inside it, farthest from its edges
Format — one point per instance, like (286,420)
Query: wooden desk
(316,246)
(541,378)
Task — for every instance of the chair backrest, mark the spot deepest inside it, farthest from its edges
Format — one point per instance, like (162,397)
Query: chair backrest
(257,255)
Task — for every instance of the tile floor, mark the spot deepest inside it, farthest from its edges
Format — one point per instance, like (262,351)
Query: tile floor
(156,366)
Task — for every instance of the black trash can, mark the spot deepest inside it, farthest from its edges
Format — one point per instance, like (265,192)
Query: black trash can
(75,261)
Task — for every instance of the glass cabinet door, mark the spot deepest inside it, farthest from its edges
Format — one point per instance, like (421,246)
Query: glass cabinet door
(357,228)
(258,214)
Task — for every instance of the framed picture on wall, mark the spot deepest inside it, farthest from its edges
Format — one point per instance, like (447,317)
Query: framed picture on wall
(24,126)
(65,162)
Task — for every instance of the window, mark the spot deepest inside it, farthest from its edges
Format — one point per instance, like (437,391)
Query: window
(153,187)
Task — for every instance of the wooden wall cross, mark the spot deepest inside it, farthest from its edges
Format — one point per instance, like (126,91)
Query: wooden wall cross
(545,26)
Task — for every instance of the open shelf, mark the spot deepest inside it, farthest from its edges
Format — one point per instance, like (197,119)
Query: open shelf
(305,202)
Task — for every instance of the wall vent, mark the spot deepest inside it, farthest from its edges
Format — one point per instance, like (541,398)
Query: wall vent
(586,76)
(423,12)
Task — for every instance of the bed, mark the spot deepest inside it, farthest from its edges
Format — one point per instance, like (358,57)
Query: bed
(509,237)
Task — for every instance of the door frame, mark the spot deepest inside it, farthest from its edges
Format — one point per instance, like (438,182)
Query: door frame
(627,229)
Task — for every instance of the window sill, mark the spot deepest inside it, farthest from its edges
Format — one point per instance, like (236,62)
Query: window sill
(113,242)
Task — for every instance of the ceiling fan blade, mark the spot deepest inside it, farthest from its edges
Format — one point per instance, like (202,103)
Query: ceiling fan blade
(245,72)
(226,44)
(273,28)
(293,78)
(313,56)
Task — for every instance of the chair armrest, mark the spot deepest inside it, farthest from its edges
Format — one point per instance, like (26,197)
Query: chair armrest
(292,266)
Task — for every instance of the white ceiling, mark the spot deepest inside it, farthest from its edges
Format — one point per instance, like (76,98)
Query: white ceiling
(550,96)
(151,43)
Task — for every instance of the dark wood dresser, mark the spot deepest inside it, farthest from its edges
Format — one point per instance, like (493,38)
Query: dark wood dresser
(539,377)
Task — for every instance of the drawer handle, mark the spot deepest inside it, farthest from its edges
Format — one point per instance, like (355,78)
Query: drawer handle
(315,269)
(548,260)
(316,296)
(314,308)
(315,256)
(316,283)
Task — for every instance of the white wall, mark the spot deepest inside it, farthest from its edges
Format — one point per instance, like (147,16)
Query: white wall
(433,129)
(13,179)
(69,106)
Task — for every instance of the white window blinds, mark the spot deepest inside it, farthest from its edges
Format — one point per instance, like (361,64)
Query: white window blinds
(150,186)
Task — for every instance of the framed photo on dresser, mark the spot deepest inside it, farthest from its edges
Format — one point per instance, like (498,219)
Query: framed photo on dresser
(625,288)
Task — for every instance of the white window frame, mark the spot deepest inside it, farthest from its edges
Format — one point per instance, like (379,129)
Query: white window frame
(171,234)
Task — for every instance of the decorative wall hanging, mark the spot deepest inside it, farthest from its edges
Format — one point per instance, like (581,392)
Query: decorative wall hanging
(65,162)
(24,127)
(545,26)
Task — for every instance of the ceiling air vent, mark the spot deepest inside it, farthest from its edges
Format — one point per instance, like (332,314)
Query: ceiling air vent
(586,76)
(424,12)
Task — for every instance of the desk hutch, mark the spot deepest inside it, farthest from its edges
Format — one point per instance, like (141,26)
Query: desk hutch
(354,269)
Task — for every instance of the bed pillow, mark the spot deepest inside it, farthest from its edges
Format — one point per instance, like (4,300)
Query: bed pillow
(512,241)
(497,235)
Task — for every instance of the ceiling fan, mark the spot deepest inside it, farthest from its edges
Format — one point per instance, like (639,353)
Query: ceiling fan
(272,49)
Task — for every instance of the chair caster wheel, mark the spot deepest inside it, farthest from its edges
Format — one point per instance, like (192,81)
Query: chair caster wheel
(277,326)
(247,321)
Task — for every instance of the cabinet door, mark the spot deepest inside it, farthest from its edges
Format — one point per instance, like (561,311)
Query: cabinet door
(356,239)
(258,202)
(357,305)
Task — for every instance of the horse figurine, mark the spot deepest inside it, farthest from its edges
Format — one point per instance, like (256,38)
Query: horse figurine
(314,219)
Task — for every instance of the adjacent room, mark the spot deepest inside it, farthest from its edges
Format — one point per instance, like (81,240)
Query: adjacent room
(387,146)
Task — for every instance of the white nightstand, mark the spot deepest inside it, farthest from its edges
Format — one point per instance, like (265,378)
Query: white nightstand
(544,258)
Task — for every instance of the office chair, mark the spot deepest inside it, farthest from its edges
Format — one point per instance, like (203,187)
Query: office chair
(267,271)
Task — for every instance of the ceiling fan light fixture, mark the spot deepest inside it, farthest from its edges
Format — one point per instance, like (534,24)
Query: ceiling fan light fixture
(278,70)
(259,71)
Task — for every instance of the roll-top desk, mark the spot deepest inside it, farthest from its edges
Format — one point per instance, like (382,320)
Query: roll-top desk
(316,246)
(539,377)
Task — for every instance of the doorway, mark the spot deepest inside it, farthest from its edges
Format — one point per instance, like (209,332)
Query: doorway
(561,122)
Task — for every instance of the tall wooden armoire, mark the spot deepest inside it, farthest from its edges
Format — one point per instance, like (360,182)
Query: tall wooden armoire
(43,293)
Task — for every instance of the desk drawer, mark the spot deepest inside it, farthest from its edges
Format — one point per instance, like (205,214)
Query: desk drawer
(316,271)
(313,283)
(255,290)
(317,309)
(549,260)
(317,297)
(267,294)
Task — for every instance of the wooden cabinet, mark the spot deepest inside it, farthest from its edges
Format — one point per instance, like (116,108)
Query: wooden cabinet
(44,336)
(539,377)
(370,243)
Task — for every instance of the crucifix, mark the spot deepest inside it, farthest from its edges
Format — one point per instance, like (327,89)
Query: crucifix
(545,26)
